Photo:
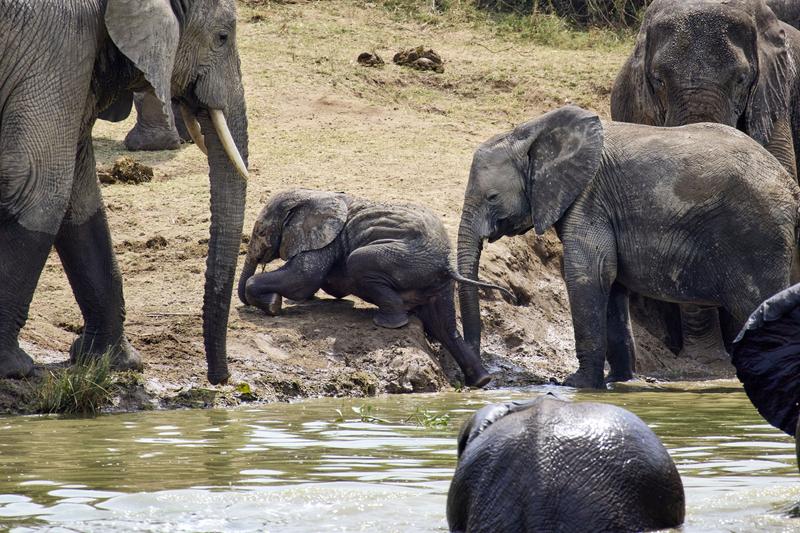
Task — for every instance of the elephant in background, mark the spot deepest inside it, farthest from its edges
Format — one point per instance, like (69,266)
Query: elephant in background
(551,465)
(786,10)
(766,355)
(153,129)
(731,62)
(697,214)
(62,66)
(396,256)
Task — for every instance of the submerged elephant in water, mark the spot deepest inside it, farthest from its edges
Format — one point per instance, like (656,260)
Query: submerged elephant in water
(394,256)
(550,465)
(766,355)
(698,214)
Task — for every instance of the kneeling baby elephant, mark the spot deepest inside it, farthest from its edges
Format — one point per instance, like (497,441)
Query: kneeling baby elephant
(394,256)
(550,465)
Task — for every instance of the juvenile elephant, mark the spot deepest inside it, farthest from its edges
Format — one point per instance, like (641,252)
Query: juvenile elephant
(696,214)
(726,61)
(63,64)
(550,465)
(394,256)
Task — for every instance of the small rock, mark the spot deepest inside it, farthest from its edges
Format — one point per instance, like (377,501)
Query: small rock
(420,59)
(370,59)
(125,170)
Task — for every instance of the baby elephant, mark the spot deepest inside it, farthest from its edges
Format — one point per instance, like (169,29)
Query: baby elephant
(393,256)
(550,465)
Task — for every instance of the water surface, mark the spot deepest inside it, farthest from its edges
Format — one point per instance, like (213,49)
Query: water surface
(318,465)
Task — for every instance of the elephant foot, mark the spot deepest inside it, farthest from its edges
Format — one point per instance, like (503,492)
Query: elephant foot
(123,355)
(15,364)
(585,380)
(390,320)
(477,377)
(270,303)
(617,377)
(152,139)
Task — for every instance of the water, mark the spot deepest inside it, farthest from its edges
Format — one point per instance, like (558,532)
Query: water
(304,467)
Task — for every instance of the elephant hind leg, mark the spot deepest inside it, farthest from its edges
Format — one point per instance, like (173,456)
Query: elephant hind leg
(702,335)
(298,279)
(621,348)
(373,271)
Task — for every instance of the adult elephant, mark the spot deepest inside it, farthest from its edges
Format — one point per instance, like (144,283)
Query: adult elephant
(637,208)
(63,64)
(726,61)
(552,465)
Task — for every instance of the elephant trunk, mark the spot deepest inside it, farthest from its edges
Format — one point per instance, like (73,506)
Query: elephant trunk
(262,249)
(248,271)
(690,106)
(470,244)
(228,190)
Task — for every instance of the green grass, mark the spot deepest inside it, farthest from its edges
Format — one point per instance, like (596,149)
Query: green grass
(82,389)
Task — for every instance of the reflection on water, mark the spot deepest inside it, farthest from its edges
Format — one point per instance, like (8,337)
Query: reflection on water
(316,466)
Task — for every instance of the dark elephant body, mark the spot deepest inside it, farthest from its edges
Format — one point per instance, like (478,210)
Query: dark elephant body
(63,65)
(786,10)
(394,256)
(697,214)
(548,465)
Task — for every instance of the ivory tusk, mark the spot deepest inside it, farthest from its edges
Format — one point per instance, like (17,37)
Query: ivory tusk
(193,127)
(224,134)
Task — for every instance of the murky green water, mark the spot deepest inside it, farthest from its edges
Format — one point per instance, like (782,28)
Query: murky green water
(303,468)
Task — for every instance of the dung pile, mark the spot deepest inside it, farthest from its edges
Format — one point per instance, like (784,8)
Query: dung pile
(370,59)
(420,59)
(125,170)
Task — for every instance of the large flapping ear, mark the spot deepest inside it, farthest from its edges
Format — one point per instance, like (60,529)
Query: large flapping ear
(769,95)
(313,223)
(632,98)
(485,417)
(147,32)
(766,355)
(564,149)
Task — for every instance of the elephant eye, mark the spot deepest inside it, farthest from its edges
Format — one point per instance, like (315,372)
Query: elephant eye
(222,37)
(741,79)
(493,196)
(655,81)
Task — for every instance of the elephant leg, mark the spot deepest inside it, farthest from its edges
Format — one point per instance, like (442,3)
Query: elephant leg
(84,246)
(298,279)
(371,268)
(439,318)
(589,250)
(621,348)
(153,130)
(702,336)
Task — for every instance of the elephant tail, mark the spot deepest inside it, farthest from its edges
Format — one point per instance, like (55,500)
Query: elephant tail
(461,279)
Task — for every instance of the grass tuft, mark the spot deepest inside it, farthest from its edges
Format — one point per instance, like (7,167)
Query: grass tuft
(82,389)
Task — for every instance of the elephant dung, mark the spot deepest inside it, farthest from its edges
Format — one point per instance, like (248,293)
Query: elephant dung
(370,59)
(420,59)
(126,170)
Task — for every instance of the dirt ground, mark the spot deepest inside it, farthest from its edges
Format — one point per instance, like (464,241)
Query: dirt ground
(318,119)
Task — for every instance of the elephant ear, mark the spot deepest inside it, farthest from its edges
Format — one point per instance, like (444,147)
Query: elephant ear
(769,95)
(766,355)
(632,98)
(313,224)
(485,417)
(564,148)
(147,33)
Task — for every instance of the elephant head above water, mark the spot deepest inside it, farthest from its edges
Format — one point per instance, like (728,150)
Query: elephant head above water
(80,61)
(551,465)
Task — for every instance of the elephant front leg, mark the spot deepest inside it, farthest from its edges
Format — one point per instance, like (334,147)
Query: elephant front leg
(621,348)
(702,335)
(84,246)
(371,269)
(298,279)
